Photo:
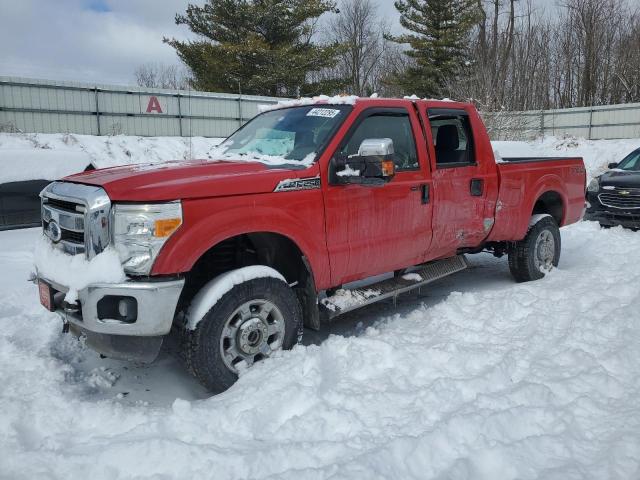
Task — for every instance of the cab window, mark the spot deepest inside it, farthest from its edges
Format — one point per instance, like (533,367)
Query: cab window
(394,124)
(452,138)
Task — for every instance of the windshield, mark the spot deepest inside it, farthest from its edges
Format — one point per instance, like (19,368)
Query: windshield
(289,135)
(631,162)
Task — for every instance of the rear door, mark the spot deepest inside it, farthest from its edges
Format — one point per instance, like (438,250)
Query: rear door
(377,229)
(462,178)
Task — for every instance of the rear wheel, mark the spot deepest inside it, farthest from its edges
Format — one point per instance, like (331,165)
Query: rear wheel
(249,323)
(537,253)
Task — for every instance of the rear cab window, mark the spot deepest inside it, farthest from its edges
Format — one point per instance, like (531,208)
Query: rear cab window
(452,138)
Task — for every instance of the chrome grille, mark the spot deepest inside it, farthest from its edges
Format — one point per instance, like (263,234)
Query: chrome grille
(621,198)
(76,217)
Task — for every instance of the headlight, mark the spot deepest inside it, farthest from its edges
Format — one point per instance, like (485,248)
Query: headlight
(140,231)
(594,186)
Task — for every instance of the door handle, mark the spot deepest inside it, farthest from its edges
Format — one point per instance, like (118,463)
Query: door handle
(477,187)
(425,194)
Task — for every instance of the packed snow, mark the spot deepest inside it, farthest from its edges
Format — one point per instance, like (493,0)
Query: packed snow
(477,377)
(597,154)
(318,100)
(40,164)
(480,378)
(49,156)
(213,291)
(75,271)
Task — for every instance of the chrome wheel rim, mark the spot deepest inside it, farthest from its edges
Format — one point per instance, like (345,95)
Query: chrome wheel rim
(545,250)
(251,333)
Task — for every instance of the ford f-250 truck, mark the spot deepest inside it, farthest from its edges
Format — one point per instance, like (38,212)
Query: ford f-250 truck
(233,255)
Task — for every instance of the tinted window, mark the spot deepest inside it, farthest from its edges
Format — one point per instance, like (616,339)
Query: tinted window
(452,139)
(631,162)
(397,127)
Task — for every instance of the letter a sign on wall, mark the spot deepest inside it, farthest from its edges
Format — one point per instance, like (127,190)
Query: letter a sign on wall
(154,105)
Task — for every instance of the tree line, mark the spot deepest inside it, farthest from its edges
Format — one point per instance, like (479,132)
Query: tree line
(499,54)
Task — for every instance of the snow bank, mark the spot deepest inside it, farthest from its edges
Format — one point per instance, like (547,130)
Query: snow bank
(76,272)
(45,164)
(503,381)
(213,291)
(30,156)
(597,154)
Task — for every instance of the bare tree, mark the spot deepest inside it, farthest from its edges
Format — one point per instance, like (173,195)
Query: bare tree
(158,75)
(361,32)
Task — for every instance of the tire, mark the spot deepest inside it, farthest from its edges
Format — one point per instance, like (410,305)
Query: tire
(538,252)
(234,322)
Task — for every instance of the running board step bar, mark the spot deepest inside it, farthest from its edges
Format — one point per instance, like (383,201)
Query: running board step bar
(346,300)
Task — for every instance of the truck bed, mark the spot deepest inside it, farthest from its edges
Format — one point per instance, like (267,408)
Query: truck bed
(528,181)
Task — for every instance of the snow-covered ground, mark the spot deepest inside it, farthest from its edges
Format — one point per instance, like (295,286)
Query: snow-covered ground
(476,378)
(54,155)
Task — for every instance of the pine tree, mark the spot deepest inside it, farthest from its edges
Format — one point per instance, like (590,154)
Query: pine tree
(437,45)
(260,47)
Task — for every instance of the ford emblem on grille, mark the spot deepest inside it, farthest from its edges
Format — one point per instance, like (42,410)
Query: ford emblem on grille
(53,232)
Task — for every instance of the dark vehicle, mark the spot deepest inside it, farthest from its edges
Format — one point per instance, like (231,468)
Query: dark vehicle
(20,204)
(613,198)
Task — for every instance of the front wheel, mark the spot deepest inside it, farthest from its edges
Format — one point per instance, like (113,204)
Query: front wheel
(537,253)
(250,322)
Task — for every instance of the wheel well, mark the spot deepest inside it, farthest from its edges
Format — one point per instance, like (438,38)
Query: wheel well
(551,203)
(262,248)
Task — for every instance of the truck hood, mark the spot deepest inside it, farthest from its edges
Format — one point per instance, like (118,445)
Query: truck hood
(187,179)
(621,178)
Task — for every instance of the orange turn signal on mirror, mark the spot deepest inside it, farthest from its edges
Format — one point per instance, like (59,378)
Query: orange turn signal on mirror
(166,226)
(388,168)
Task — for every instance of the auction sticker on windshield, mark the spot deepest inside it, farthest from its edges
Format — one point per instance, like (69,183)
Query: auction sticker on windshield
(323,112)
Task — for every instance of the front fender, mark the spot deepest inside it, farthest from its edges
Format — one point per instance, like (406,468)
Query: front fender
(298,216)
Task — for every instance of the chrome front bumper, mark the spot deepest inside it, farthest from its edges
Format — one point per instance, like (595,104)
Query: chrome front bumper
(156,306)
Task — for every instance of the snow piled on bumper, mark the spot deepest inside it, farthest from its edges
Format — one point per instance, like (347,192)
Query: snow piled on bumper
(74,271)
(535,380)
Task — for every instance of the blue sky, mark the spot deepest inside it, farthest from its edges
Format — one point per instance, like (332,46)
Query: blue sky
(96,40)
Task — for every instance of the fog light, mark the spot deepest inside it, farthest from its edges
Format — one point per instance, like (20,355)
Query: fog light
(115,307)
(123,307)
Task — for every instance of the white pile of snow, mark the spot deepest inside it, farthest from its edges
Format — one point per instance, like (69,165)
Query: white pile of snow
(482,379)
(213,291)
(597,154)
(50,156)
(320,99)
(17,165)
(75,271)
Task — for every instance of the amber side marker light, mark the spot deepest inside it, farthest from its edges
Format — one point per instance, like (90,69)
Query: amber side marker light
(166,226)
(388,168)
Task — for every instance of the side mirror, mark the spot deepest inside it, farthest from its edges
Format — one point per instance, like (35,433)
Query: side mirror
(613,165)
(373,165)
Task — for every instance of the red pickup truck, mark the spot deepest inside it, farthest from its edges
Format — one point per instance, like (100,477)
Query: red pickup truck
(234,255)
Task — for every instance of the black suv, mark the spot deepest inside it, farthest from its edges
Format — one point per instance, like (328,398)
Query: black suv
(613,198)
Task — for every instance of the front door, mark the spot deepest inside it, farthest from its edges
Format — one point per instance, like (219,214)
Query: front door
(378,229)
